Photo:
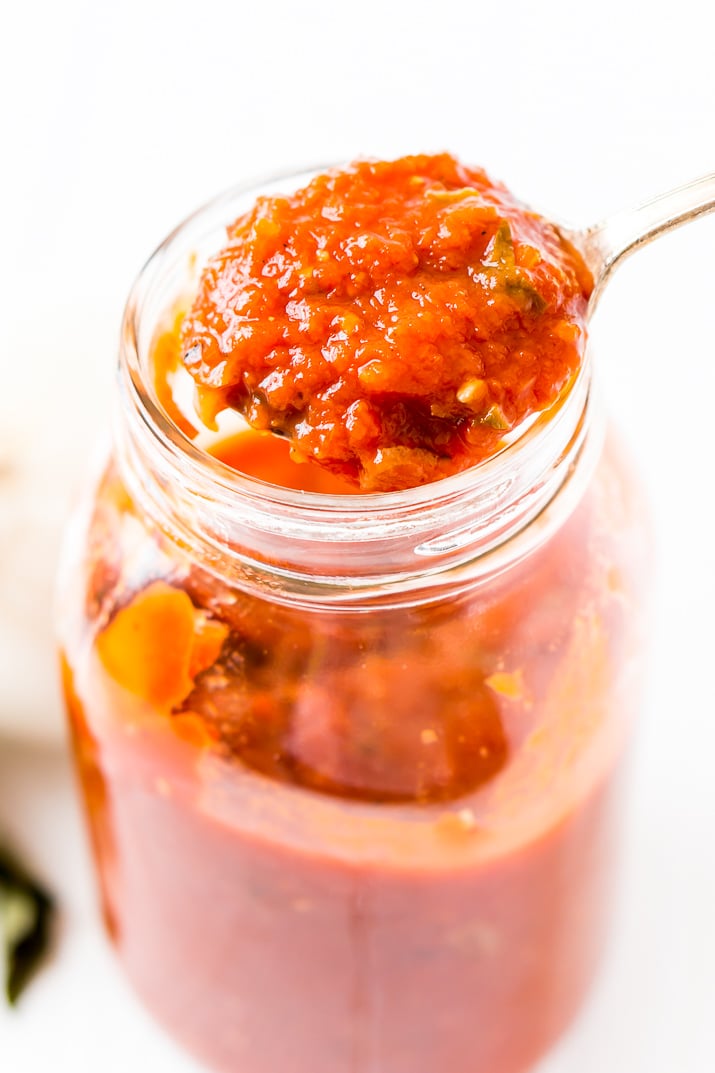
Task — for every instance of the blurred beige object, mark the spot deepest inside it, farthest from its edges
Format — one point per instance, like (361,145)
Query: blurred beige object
(56,366)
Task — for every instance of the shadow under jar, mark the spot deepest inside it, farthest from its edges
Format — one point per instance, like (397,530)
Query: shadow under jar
(351,763)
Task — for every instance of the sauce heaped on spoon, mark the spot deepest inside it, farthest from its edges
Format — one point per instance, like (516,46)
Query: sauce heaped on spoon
(394,320)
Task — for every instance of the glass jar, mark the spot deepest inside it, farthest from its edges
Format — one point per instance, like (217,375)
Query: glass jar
(351,763)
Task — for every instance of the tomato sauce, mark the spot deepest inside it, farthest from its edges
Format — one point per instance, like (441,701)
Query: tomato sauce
(395,320)
(269,458)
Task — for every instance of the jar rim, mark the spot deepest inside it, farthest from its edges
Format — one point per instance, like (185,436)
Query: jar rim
(539,443)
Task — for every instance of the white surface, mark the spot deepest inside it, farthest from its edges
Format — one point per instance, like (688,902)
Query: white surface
(117,120)
(44,435)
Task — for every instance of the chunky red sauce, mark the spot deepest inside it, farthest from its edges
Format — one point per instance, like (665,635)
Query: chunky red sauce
(395,320)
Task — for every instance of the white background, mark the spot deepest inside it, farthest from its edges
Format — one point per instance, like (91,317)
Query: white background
(115,121)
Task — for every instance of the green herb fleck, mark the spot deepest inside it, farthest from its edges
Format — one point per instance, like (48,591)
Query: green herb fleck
(502,247)
(525,294)
(495,418)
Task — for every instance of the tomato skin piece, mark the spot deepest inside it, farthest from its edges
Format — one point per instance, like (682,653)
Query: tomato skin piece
(394,319)
(158,643)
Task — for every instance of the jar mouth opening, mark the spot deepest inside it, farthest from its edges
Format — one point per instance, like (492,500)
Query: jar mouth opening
(141,314)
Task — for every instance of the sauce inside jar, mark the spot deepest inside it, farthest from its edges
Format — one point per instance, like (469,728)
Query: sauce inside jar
(270,458)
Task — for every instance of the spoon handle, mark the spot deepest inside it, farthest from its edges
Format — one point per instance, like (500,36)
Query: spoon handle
(607,244)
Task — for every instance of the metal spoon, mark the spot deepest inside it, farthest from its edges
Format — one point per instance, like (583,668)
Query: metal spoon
(606,245)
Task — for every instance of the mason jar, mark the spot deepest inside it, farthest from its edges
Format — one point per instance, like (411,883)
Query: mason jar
(351,764)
